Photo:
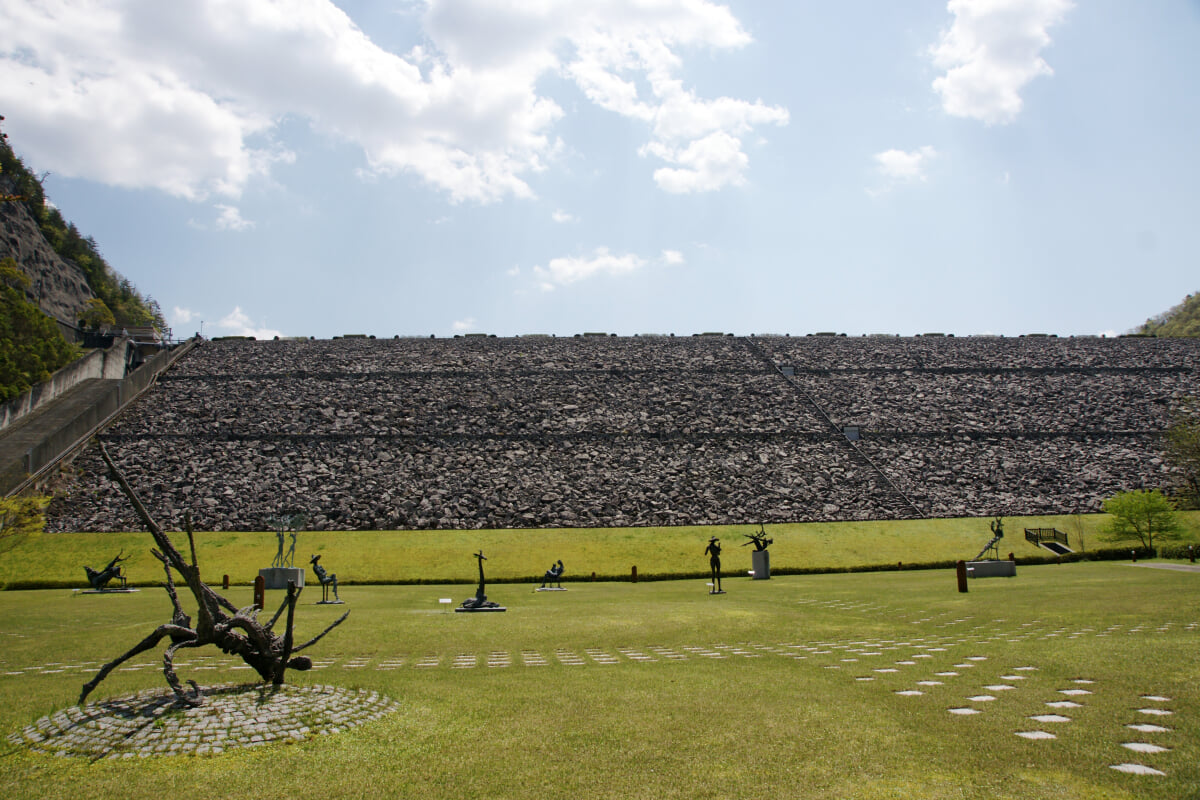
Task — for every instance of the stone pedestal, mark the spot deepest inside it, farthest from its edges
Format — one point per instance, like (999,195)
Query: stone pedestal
(761,561)
(992,569)
(278,577)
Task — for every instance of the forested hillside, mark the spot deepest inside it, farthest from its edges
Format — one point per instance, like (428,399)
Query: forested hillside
(49,270)
(126,304)
(31,346)
(1182,320)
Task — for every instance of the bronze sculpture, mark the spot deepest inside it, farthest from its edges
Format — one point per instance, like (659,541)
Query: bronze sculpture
(759,540)
(480,602)
(553,575)
(325,579)
(98,579)
(713,551)
(268,653)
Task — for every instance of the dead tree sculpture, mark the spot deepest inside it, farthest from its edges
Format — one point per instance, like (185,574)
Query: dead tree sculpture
(241,634)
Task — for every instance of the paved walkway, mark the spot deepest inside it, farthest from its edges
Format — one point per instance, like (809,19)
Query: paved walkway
(1176,567)
(150,723)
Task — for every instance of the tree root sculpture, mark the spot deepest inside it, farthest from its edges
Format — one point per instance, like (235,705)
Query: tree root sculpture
(268,653)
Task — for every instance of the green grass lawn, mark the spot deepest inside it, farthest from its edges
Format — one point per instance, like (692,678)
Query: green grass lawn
(445,556)
(766,701)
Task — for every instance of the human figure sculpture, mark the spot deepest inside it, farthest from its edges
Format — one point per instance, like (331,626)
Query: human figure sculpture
(98,579)
(713,551)
(553,575)
(479,601)
(282,524)
(997,526)
(326,580)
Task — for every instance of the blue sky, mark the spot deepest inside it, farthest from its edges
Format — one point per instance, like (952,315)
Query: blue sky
(306,167)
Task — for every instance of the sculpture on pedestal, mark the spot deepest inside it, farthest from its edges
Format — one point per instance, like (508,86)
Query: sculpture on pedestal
(759,540)
(761,557)
(553,575)
(282,524)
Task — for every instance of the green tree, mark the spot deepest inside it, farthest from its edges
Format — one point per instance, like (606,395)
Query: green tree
(96,314)
(21,517)
(1140,516)
(1181,320)
(18,184)
(11,275)
(31,345)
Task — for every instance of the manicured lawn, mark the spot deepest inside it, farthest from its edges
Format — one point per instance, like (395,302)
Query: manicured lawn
(445,556)
(754,693)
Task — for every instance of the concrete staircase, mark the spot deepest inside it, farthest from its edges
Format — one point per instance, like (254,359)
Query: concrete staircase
(37,439)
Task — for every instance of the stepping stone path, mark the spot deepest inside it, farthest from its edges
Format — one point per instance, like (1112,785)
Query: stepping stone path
(1147,748)
(569,658)
(151,724)
(532,658)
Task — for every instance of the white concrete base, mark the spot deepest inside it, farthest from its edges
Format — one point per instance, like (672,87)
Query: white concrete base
(278,577)
(761,561)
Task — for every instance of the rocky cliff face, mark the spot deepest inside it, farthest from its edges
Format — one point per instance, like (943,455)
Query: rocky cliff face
(57,285)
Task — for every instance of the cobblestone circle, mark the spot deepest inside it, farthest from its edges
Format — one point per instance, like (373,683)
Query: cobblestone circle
(151,724)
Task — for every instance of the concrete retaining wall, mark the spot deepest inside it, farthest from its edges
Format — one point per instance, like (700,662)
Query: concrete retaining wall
(18,466)
(106,364)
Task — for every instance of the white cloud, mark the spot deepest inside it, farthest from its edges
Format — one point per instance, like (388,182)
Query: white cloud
(990,52)
(561,216)
(237,323)
(186,97)
(230,219)
(672,257)
(706,164)
(182,316)
(463,325)
(570,269)
(898,165)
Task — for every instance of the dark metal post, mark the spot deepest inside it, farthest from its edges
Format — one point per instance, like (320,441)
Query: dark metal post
(961,569)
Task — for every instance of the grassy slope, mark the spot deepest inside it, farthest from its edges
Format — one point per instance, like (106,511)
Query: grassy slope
(437,556)
(739,727)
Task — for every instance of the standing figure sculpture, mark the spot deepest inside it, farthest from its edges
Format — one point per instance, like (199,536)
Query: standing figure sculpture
(282,523)
(713,551)
(326,580)
(553,575)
